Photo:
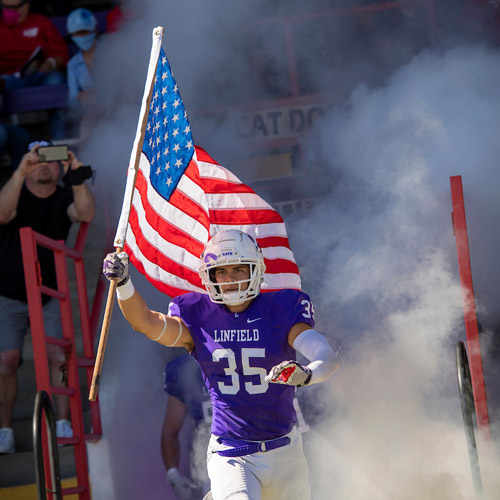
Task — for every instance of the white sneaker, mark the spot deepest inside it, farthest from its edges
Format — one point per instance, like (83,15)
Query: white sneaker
(7,440)
(64,429)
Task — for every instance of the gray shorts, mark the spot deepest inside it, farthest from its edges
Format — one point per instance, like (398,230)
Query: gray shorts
(14,320)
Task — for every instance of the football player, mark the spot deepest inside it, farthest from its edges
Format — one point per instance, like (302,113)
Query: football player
(187,395)
(245,343)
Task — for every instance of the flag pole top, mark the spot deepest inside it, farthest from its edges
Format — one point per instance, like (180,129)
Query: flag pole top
(158,31)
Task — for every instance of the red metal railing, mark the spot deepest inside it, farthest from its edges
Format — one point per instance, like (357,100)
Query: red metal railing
(476,364)
(34,287)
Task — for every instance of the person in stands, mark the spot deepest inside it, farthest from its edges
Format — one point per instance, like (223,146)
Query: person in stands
(33,197)
(32,53)
(82,27)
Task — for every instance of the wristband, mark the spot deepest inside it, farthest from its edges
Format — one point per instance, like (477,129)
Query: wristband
(125,291)
(309,377)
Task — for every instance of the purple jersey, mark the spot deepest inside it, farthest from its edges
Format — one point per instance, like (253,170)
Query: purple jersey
(235,352)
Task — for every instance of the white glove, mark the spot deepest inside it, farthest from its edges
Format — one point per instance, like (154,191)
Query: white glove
(289,373)
(183,486)
(115,267)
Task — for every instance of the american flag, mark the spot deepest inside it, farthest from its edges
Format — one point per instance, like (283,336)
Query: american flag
(182,197)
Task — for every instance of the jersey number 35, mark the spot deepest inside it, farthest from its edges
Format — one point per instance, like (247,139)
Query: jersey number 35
(246,354)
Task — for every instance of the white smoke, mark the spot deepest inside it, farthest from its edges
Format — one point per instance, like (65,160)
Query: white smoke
(377,255)
(386,245)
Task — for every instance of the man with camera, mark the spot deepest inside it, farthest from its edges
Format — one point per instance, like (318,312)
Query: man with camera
(34,197)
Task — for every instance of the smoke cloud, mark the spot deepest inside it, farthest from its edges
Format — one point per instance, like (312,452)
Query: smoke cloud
(376,251)
(387,248)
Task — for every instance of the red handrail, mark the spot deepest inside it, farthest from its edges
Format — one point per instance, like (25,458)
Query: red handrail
(476,364)
(34,288)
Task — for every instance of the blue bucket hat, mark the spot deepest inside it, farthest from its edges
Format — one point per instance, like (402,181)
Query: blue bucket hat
(43,144)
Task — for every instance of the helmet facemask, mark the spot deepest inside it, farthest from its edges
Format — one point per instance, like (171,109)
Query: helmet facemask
(229,248)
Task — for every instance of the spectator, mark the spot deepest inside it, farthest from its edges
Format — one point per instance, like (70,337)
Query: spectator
(82,27)
(245,343)
(32,197)
(32,53)
(187,396)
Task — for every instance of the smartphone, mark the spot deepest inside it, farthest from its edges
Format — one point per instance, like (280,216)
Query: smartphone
(53,153)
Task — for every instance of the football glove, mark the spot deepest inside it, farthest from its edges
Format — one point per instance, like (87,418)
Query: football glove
(183,486)
(290,373)
(115,267)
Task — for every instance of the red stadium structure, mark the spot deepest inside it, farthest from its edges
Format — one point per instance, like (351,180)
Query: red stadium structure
(460,229)
(88,321)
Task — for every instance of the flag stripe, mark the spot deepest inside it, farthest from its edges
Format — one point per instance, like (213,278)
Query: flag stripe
(277,253)
(213,170)
(274,241)
(259,231)
(221,187)
(277,266)
(247,201)
(237,217)
(275,281)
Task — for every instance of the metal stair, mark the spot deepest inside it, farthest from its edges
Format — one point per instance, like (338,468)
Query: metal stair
(19,468)
(17,471)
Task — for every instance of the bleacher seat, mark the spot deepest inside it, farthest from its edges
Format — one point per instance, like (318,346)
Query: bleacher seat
(35,98)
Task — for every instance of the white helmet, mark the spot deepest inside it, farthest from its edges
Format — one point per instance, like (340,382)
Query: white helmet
(227,248)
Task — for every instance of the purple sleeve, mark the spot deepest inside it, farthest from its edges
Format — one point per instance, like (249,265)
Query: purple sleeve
(173,308)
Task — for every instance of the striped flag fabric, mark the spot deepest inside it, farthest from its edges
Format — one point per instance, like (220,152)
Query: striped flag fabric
(182,197)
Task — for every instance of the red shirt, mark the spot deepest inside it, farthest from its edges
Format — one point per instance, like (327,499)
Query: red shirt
(19,41)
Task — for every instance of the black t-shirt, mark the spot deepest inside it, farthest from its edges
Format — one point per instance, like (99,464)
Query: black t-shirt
(47,216)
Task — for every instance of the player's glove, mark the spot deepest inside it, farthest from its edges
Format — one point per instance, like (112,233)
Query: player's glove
(115,267)
(290,373)
(183,486)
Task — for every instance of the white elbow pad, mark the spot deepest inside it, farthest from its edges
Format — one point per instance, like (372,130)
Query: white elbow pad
(324,361)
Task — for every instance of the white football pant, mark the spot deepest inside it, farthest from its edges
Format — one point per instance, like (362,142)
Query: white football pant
(280,474)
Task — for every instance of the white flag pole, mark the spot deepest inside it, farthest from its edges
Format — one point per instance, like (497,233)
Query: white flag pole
(121,231)
(139,139)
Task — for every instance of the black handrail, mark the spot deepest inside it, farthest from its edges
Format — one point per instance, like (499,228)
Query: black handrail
(42,402)
(468,415)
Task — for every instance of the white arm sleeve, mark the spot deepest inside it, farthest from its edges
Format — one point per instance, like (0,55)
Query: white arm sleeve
(324,361)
